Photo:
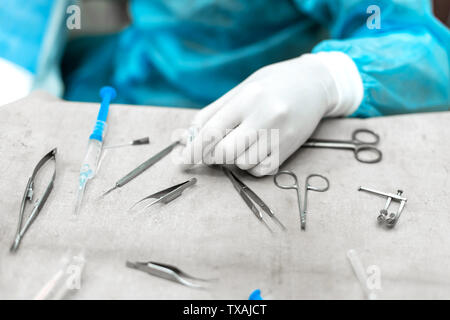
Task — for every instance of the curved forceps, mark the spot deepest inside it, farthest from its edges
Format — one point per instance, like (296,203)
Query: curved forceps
(356,144)
(28,196)
(308,187)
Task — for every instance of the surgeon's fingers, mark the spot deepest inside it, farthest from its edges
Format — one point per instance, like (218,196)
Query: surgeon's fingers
(267,166)
(270,164)
(234,144)
(253,155)
(225,121)
(200,148)
(207,112)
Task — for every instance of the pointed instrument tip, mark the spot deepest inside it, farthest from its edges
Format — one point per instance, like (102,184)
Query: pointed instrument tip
(105,193)
(15,245)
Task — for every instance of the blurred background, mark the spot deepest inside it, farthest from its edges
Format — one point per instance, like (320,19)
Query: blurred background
(136,57)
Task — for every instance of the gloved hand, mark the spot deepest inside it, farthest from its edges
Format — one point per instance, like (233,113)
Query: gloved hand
(290,96)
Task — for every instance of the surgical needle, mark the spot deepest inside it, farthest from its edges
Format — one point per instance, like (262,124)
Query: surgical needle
(142,167)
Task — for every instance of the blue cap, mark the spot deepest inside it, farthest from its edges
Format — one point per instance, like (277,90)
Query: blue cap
(255,295)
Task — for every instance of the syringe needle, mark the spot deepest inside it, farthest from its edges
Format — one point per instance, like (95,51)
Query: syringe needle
(113,188)
(80,195)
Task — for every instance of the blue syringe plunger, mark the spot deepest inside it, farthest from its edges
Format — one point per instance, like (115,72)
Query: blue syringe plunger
(107,94)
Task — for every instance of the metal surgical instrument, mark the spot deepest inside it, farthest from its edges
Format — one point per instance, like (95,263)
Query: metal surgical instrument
(249,196)
(389,219)
(167,272)
(28,196)
(166,195)
(142,167)
(136,142)
(308,187)
(358,145)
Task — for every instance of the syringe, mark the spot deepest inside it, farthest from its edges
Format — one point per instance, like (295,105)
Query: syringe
(94,149)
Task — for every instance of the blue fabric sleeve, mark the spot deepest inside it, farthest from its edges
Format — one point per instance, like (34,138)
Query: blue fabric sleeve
(24,28)
(404,65)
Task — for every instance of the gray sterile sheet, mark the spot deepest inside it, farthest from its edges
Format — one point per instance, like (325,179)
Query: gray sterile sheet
(209,231)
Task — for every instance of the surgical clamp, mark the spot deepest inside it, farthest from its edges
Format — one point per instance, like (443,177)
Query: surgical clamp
(167,272)
(295,186)
(166,195)
(390,220)
(142,167)
(359,146)
(248,195)
(28,196)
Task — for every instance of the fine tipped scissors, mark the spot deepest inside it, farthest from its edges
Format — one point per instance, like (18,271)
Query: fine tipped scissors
(249,196)
(308,187)
(28,196)
(361,147)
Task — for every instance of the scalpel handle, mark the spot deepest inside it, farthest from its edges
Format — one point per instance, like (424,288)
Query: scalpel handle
(145,165)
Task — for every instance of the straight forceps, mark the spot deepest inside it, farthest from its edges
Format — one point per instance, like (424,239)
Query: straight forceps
(28,196)
(364,151)
(308,187)
(249,196)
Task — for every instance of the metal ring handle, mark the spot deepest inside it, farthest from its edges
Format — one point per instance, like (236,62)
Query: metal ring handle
(318,189)
(378,155)
(376,138)
(284,186)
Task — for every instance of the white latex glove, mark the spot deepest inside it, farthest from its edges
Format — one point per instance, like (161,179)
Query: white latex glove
(291,96)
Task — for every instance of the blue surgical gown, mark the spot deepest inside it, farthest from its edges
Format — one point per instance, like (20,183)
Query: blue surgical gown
(189,53)
(32,36)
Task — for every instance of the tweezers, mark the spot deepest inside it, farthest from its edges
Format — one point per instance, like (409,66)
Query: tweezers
(28,196)
(167,272)
(249,196)
(166,195)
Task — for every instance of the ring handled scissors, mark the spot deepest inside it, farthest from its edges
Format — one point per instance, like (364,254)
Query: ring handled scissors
(359,146)
(28,196)
(308,187)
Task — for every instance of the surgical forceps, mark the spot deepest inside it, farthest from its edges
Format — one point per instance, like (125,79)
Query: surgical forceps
(168,272)
(308,187)
(28,196)
(166,195)
(248,195)
(358,145)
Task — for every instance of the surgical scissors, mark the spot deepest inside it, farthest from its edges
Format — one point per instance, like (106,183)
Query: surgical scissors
(308,187)
(28,196)
(358,145)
